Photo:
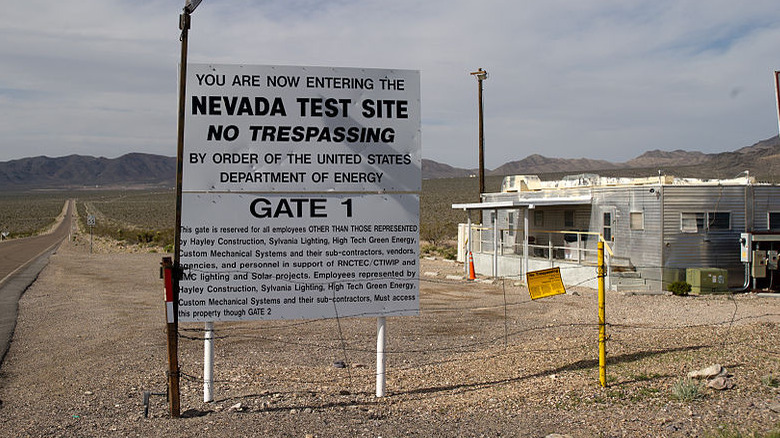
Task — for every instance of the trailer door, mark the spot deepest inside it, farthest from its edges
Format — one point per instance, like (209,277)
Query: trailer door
(608,225)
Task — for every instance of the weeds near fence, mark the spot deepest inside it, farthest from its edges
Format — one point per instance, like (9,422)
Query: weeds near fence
(687,390)
(770,381)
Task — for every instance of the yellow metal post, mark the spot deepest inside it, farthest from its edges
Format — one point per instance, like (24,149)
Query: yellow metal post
(602,319)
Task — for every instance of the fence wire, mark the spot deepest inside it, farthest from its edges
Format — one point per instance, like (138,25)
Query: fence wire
(475,335)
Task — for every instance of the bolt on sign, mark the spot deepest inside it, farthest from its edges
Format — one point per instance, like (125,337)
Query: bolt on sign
(544,283)
(300,193)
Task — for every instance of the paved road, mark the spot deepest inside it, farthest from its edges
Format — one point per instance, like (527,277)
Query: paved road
(20,262)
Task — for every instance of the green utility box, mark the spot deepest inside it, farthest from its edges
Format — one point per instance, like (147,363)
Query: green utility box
(671,275)
(707,280)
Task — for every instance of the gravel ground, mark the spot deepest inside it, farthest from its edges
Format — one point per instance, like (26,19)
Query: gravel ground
(480,360)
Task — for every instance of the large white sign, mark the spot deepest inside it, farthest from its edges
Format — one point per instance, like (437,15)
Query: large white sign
(302,256)
(301,129)
(301,193)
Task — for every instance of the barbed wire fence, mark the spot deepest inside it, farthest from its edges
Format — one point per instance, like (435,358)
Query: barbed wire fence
(463,335)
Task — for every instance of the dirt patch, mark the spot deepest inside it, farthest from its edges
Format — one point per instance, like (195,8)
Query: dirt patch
(480,360)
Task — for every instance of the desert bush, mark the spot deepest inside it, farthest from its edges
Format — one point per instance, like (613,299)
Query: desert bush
(27,214)
(680,288)
(447,252)
(687,390)
(144,217)
(438,220)
(148,216)
(436,232)
(770,381)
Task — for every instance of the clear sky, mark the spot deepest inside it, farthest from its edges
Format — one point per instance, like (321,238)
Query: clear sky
(604,79)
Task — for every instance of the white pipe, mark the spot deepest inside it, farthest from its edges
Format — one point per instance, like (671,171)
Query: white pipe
(525,244)
(380,356)
(579,247)
(468,246)
(208,363)
(495,244)
(550,250)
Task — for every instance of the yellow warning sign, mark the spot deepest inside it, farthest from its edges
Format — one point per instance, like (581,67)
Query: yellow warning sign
(544,283)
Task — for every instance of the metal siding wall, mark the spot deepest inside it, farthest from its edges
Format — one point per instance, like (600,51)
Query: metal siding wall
(767,198)
(646,242)
(704,249)
(640,247)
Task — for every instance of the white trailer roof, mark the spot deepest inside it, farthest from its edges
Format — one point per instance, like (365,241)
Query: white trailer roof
(527,202)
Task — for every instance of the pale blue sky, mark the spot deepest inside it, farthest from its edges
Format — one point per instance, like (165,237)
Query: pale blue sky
(596,79)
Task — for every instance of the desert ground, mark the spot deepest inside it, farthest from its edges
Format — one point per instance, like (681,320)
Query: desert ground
(481,359)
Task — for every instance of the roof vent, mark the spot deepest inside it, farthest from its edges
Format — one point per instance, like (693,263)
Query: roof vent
(521,183)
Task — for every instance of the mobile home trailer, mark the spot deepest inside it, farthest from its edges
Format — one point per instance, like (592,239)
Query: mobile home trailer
(658,229)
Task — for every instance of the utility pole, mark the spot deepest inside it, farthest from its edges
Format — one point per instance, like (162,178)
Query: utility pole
(481,75)
(174,270)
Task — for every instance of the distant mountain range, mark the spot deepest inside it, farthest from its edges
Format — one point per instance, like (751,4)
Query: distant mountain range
(79,171)
(761,159)
(145,170)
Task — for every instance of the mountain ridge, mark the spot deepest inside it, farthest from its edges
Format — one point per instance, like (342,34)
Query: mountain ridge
(759,159)
(83,171)
(138,170)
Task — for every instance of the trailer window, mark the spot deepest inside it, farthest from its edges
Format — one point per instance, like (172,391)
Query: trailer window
(568,219)
(691,222)
(637,220)
(607,229)
(718,221)
(538,218)
(705,222)
(774,220)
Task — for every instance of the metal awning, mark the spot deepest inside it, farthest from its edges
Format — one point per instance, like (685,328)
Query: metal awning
(529,203)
